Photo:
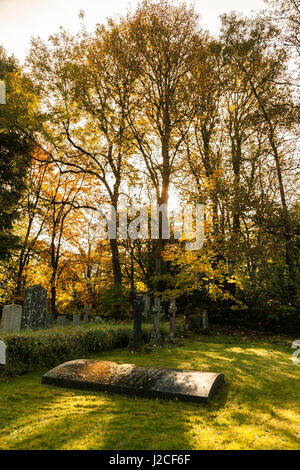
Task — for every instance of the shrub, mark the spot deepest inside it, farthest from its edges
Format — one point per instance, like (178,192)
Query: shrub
(116,303)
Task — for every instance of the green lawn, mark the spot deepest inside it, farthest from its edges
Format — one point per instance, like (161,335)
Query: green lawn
(258,408)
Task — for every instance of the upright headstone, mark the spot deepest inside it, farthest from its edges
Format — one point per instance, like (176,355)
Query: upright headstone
(35,308)
(50,321)
(61,320)
(137,335)
(98,319)
(147,306)
(11,318)
(172,312)
(2,353)
(205,319)
(156,334)
(85,311)
(76,320)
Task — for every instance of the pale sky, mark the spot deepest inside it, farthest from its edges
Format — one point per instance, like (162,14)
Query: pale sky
(21,19)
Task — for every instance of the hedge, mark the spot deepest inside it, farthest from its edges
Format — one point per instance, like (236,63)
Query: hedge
(48,348)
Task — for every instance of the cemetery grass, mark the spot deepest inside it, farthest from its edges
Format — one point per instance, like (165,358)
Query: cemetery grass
(258,408)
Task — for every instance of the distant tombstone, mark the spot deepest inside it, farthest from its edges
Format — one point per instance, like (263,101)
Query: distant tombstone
(50,321)
(137,335)
(147,306)
(205,319)
(11,318)
(99,319)
(156,334)
(61,320)
(85,311)
(172,312)
(2,353)
(35,308)
(76,320)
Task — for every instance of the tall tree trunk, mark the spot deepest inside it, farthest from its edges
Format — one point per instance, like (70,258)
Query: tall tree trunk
(53,294)
(116,261)
(22,260)
(236,164)
(289,246)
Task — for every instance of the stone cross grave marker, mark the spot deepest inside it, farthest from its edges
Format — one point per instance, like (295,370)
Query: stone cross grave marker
(2,353)
(35,308)
(11,318)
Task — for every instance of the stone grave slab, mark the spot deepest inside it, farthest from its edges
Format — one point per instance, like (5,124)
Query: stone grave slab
(152,382)
(11,318)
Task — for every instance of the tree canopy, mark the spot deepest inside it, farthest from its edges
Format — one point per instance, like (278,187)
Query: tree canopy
(15,151)
(146,107)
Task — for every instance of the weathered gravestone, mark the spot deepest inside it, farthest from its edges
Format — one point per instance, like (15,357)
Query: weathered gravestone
(86,312)
(76,320)
(127,378)
(172,312)
(35,308)
(2,353)
(11,318)
(50,321)
(61,320)
(98,320)
(156,334)
(137,335)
